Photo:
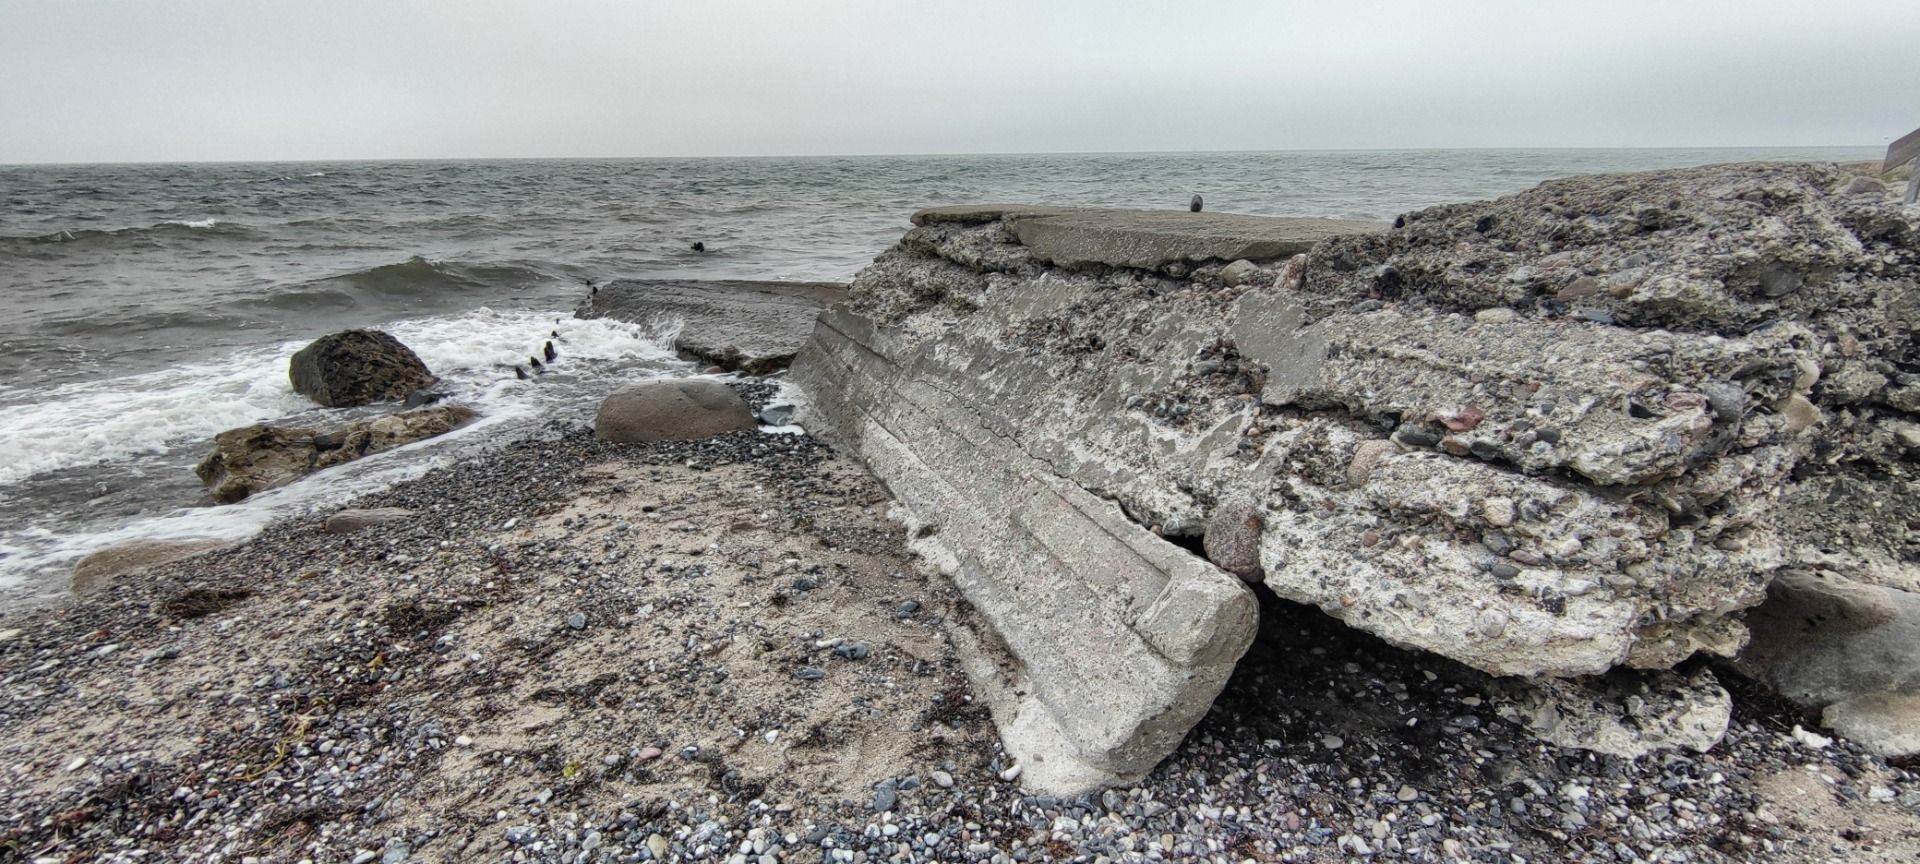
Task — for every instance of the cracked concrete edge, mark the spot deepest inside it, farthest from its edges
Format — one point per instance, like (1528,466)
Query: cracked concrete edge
(1119,679)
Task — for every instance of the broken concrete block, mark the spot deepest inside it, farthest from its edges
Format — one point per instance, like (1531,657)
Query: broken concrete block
(1569,431)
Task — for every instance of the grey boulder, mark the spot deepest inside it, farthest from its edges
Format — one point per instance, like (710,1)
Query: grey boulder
(671,409)
(1851,648)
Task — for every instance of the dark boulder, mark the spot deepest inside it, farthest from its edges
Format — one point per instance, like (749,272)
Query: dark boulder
(357,367)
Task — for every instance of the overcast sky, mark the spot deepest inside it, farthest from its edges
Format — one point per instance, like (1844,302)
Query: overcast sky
(150,80)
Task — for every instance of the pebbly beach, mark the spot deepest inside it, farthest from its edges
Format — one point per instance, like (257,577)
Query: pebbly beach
(1577,524)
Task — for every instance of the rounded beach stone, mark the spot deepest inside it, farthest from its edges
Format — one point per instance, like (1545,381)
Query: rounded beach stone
(350,521)
(673,409)
(99,569)
(357,367)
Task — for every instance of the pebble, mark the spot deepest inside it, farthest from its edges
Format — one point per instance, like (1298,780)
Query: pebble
(809,673)
(906,610)
(942,779)
(1011,774)
(885,796)
(577,620)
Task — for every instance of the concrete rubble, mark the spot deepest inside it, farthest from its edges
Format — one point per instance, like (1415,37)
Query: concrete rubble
(1574,431)
(264,456)
(741,326)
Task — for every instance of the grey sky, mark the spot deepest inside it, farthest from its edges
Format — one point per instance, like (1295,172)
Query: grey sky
(94,80)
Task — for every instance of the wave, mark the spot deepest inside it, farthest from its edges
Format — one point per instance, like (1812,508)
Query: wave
(154,413)
(418,276)
(146,235)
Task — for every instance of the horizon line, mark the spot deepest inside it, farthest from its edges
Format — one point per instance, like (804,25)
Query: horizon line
(927,155)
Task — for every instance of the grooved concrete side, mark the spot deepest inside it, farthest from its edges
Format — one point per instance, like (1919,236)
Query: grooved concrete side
(1125,638)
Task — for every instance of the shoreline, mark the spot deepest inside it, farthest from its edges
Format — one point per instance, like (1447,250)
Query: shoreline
(751,648)
(313,696)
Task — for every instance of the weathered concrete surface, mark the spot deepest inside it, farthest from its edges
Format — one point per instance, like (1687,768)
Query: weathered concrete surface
(1147,239)
(1625,713)
(743,326)
(1571,430)
(1124,637)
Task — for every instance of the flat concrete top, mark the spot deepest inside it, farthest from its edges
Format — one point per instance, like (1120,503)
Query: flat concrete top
(974,214)
(746,325)
(1149,239)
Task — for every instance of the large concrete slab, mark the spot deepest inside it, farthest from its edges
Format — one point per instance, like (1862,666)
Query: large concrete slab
(1123,639)
(745,326)
(1469,435)
(1147,239)
(1150,239)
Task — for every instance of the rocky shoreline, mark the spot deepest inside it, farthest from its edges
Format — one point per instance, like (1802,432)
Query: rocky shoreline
(728,648)
(419,690)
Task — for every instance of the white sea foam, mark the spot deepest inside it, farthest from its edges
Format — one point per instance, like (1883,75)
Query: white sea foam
(208,222)
(170,415)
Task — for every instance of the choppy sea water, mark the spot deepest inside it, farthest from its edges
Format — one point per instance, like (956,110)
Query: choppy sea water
(149,307)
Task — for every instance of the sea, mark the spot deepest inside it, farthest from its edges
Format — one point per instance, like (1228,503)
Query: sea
(148,307)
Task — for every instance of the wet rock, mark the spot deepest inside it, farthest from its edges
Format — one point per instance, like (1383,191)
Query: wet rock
(671,409)
(777,414)
(262,456)
(357,367)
